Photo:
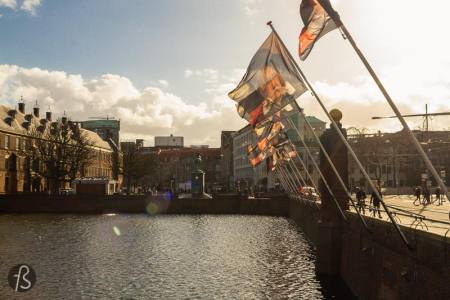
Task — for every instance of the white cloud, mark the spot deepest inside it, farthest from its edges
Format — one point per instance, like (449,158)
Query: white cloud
(188,73)
(411,85)
(163,82)
(208,75)
(143,113)
(252,7)
(30,6)
(8,3)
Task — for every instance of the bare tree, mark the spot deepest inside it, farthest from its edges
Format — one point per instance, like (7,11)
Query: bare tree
(60,152)
(139,168)
(131,159)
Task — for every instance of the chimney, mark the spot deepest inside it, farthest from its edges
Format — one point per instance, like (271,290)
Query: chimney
(64,120)
(36,111)
(22,107)
(48,116)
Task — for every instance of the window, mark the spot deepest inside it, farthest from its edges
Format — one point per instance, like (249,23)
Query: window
(6,141)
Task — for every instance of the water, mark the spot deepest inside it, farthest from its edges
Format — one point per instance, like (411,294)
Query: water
(164,257)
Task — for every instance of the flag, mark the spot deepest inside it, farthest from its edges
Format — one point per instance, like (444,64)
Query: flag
(270,164)
(271,131)
(258,152)
(270,83)
(317,23)
(255,155)
(272,152)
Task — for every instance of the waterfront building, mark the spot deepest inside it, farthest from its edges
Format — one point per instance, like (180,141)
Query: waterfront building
(168,167)
(19,172)
(107,128)
(391,160)
(177,164)
(258,177)
(169,141)
(226,156)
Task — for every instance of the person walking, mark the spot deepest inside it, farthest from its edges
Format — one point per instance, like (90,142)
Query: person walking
(376,201)
(426,196)
(417,192)
(361,200)
(438,196)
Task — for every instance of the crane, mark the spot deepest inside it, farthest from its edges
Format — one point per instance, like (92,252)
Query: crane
(427,117)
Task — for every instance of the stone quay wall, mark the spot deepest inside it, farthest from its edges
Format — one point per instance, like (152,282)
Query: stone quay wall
(223,204)
(373,265)
(378,265)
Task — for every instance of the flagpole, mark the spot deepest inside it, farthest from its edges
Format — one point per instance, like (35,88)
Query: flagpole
(333,167)
(279,179)
(335,16)
(295,171)
(289,183)
(283,185)
(291,180)
(308,175)
(321,174)
(344,140)
(288,186)
(286,183)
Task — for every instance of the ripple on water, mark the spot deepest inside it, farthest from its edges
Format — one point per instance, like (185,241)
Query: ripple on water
(163,257)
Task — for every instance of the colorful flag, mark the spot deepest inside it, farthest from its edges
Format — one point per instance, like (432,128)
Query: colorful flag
(317,24)
(256,156)
(258,152)
(270,83)
(270,136)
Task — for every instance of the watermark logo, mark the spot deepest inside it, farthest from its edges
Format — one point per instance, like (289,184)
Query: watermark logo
(21,278)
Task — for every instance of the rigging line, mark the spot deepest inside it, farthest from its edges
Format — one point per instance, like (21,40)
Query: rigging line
(320,172)
(341,136)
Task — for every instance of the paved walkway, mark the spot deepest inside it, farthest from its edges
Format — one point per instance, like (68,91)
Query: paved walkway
(404,203)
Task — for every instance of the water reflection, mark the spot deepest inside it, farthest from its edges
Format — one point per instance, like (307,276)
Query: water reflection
(164,257)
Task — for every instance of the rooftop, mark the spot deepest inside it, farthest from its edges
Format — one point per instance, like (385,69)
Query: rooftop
(18,126)
(314,120)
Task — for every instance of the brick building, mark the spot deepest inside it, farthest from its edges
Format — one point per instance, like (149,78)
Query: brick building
(177,164)
(226,155)
(18,171)
(391,159)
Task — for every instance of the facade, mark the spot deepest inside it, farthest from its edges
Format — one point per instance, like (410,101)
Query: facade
(392,160)
(318,126)
(174,167)
(244,174)
(109,131)
(226,154)
(258,177)
(169,141)
(165,168)
(19,172)
(106,129)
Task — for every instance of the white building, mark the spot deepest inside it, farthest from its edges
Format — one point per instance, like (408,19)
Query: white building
(244,172)
(169,141)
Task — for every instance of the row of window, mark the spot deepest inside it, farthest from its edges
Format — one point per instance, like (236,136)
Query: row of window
(12,143)
(98,172)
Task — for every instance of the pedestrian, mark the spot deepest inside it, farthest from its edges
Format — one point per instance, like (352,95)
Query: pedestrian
(361,200)
(426,196)
(376,201)
(417,192)
(438,196)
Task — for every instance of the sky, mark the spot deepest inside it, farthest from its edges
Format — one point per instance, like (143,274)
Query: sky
(165,66)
